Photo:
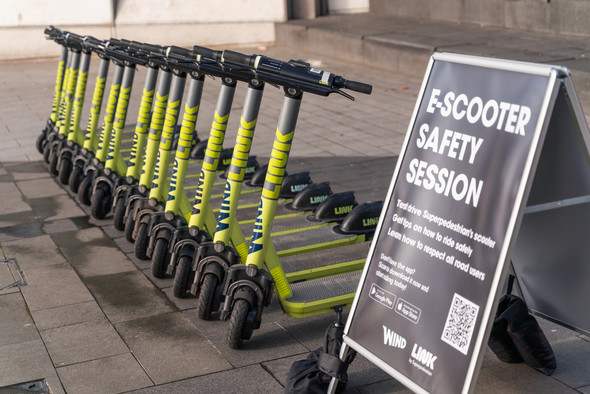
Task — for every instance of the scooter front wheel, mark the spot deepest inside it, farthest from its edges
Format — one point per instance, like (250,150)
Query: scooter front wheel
(181,277)
(53,159)
(99,203)
(84,190)
(237,323)
(129,226)
(206,295)
(141,241)
(119,215)
(65,168)
(159,258)
(76,176)
(46,152)
(41,142)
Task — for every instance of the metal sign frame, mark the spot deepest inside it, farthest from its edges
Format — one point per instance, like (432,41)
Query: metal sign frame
(516,211)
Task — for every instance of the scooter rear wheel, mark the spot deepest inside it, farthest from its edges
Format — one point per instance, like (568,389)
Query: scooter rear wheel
(141,241)
(206,296)
(99,203)
(119,215)
(76,176)
(159,258)
(237,322)
(65,168)
(182,277)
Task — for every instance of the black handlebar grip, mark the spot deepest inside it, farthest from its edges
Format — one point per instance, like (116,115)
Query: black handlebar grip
(208,53)
(154,49)
(180,52)
(115,42)
(358,87)
(238,58)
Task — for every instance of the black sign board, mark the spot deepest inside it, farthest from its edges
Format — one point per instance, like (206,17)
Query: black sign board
(436,266)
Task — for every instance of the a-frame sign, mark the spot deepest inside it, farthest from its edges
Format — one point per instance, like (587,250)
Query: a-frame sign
(481,132)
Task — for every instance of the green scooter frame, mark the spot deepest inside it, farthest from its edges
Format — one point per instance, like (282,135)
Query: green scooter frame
(115,174)
(247,288)
(58,36)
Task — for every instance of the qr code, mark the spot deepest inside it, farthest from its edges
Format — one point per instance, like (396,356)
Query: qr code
(460,323)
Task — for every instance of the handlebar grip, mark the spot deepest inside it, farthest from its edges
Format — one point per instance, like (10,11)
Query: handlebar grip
(358,87)
(239,58)
(115,42)
(208,53)
(154,48)
(180,52)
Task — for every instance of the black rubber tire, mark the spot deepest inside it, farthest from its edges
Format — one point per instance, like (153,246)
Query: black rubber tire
(84,190)
(119,214)
(206,294)
(181,277)
(46,152)
(100,203)
(159,258)
(76,176)
(41,142)
(129,227)
(141,242)
(65,168)
(53,159)
(237,321)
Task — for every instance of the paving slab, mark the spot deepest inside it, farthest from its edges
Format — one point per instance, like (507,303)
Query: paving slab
(55,207)
(34,252)
(53,286)
(16,219)
(24,361)
(27,169)
(114,374)
(66,315)
(269,342)
(81,342)
(573,362)
(16,325)
(251,379)
(41,187)
(92,253)
(169,348)
(127,296)
(24,230)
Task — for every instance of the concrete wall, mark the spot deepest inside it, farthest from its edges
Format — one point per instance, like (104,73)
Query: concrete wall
(179,22)
(569,17)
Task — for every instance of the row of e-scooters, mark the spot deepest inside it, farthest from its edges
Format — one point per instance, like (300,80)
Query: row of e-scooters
(312,257)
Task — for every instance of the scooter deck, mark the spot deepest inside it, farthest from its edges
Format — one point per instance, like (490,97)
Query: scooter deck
(352,256)
(324,288)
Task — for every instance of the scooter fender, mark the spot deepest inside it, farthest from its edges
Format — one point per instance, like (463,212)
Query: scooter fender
(160,231)
(103,182)
(186,247)
(209,265)
(143,216)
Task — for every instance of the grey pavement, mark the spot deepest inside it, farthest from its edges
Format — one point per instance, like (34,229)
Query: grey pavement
(88,317)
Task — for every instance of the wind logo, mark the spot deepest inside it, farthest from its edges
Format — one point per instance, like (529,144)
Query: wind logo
(224,211)
(393,339)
